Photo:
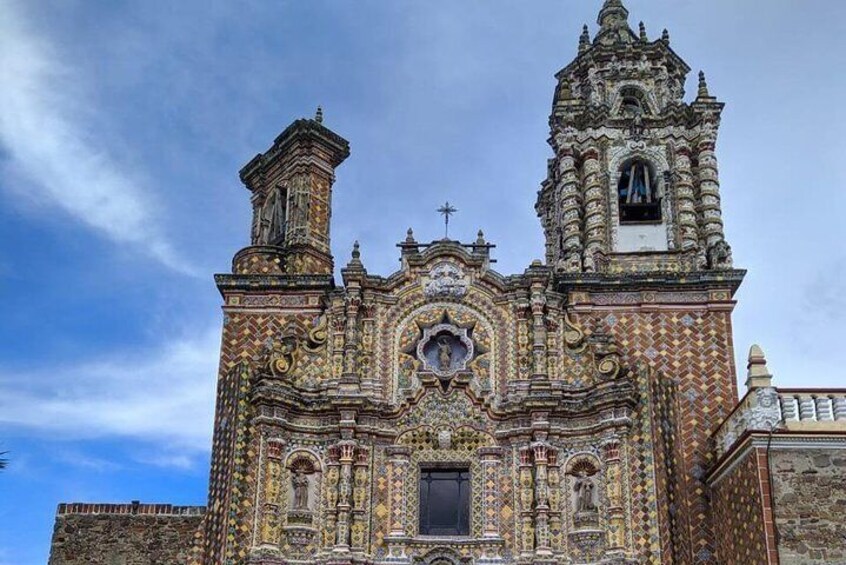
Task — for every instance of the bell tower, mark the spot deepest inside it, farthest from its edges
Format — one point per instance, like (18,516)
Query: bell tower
(291,185)
(633,185)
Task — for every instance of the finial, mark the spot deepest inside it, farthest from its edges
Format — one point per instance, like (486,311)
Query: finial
(409,236)
(757,373)
(584,39)
(356,253)
(318,116)
(703,86)
(643,32)
(612,15)
(665,36)
(564,91)
(447,210)
(480,238)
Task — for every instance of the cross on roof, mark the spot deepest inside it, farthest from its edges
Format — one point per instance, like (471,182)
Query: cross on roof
(447,210)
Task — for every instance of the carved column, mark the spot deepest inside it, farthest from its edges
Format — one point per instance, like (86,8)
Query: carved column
(616,529)
(540,451)
(350,380)
(273,495)
(596,215)
(338,319)
(540,378)
(399,461)
(547,210)
(570,212)
(346,449)
(526,486)
(491,458)
(685,200)
(299,188)
(330,518)
(555,518)
(361,476)
(709,194)
(369,384)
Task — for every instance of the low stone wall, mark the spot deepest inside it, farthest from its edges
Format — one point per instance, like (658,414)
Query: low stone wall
(124,534)
(809,487)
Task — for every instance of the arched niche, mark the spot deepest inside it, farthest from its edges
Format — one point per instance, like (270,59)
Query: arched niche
(640,198)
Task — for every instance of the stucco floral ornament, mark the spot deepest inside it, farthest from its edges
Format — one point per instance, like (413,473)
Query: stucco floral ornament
(446,280)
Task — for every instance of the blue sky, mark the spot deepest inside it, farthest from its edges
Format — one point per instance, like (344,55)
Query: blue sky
(123,126)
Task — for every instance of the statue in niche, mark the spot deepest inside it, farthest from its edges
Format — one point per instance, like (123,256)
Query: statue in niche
(300,484)
(584,489)
(444,353)
(271,228)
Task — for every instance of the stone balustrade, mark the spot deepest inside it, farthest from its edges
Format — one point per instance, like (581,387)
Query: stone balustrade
(805,406)
(767,409)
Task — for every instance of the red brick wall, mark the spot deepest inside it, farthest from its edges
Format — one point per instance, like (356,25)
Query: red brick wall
(691,345)
(742,516)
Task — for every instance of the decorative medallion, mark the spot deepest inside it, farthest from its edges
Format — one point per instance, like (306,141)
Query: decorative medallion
(446,280)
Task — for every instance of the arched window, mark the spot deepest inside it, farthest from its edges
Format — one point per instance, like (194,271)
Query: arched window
(632,102)
(631,105)
(638,194)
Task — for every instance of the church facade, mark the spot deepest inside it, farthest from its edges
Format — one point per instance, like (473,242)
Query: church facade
(582,411)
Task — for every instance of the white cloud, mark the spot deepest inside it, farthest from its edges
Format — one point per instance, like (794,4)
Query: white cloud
(46,131)
(165,397)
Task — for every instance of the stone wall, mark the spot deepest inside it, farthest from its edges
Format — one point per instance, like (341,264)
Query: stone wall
(809,486)
(124,534)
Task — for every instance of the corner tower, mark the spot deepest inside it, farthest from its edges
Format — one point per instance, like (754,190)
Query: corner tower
(633,184)
(291,186)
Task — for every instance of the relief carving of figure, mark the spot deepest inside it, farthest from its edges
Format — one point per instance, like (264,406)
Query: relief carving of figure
(300,484)
(719,256)
(444,353)
(584,489)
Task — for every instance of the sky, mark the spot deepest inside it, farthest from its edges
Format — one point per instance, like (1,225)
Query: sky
(123,126)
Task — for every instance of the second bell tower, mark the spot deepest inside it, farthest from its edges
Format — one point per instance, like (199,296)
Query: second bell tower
(633,185)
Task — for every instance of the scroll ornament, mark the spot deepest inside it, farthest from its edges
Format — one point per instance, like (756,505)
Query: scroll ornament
(606,356)
(285,352)
(574,336)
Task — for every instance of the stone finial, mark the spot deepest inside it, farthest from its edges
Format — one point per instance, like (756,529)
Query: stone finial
(584,39)
(318,116)
(757,373)
(565,92)
(665,36)
(355,263)
(612,14)
(409,236)
(480,238)
(642,27)
(703,86)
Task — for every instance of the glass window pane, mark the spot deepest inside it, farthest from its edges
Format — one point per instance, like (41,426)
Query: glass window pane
(444,502)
